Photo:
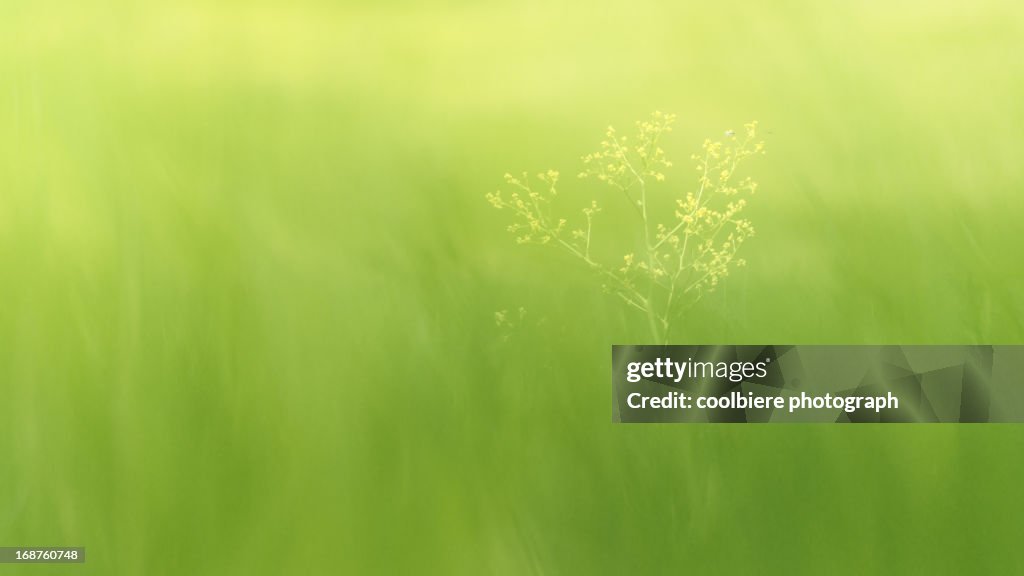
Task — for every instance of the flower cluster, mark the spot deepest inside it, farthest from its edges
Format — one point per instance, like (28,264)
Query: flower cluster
(531,207)
(625,163)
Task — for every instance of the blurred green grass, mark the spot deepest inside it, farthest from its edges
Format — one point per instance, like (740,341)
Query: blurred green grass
(249,278)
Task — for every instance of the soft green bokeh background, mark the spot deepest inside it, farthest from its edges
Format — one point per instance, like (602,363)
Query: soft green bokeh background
(248,279)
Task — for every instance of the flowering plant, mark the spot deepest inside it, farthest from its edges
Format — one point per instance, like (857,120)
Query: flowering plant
(684,249)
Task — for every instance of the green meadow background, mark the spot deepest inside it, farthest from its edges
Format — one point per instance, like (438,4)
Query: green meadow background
(248,280)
